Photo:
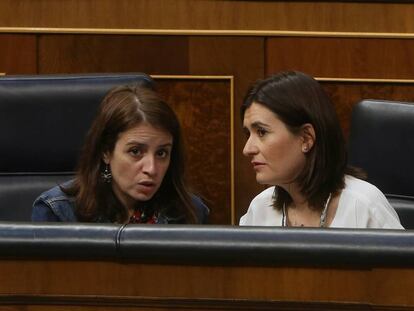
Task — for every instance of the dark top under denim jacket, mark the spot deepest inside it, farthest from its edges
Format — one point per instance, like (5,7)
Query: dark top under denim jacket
(55,205)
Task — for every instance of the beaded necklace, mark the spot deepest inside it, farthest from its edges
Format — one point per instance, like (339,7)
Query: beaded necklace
(143,216)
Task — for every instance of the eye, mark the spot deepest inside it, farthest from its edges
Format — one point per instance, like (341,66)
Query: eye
(135,151)
(246,132)
(163,153)
(261,132)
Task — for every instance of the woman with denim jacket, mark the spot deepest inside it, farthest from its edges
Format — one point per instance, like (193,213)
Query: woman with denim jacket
(131,169)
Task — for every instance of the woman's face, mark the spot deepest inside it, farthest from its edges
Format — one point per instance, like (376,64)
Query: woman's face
(277,155)
(139,162)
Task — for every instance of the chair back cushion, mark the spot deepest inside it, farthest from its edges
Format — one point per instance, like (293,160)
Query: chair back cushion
(382,143)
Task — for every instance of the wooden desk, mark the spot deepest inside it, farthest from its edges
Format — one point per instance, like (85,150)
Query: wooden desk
(205,268)
(109,285)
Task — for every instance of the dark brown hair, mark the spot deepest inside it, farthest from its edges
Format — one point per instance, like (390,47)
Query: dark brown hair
(297,99)
(123,108)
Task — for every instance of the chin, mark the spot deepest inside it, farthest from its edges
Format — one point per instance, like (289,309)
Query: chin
(143,197)
(262,180)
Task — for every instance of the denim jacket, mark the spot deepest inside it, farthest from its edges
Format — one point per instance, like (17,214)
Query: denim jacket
(55,205)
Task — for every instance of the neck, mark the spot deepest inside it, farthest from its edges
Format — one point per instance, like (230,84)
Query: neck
(299,201)
(305,216)
(128,203)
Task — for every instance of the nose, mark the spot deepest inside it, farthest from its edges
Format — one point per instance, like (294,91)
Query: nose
(250,148)
(149,165)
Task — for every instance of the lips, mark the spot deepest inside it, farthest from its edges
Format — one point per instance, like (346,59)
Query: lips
(147,185)
(257,164)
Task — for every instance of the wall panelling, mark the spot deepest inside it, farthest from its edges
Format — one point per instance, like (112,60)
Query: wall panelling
(379,58)
(204,108)
(253,15)
(18,54)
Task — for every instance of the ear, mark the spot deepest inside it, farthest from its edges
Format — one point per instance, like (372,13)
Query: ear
(106,157)
(308,137)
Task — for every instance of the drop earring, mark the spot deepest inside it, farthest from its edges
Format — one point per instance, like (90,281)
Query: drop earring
(106,175)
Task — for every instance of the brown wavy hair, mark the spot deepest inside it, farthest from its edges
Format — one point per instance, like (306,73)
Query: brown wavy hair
(123,108)
(296,99)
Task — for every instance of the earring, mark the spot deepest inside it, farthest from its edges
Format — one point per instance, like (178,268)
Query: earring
(106,175)
(305,149)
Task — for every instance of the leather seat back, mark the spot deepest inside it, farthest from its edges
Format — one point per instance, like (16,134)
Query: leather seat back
(382,143)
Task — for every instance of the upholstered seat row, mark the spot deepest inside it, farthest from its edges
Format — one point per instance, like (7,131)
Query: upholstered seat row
(185,244)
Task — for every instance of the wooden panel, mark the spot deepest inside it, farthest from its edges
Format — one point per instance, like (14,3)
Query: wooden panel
(111,53)
(198,305)
(342,57)
(94,285)
(346,95)
(158,304)
(18,54)
(127,279)
(242,58)
(210,14)
(203,107)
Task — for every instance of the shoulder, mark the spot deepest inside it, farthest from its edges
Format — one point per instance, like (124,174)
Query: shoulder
(54,205)
(201,209)
(261,211)
(363,191)
(55,193)
(263,198)
(368,205)
(172,216)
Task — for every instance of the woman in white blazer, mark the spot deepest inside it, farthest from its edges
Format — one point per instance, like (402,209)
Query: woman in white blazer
(297,147)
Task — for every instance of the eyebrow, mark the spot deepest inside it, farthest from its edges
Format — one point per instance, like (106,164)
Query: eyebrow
(258,124)
(166,145)
(131,143)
